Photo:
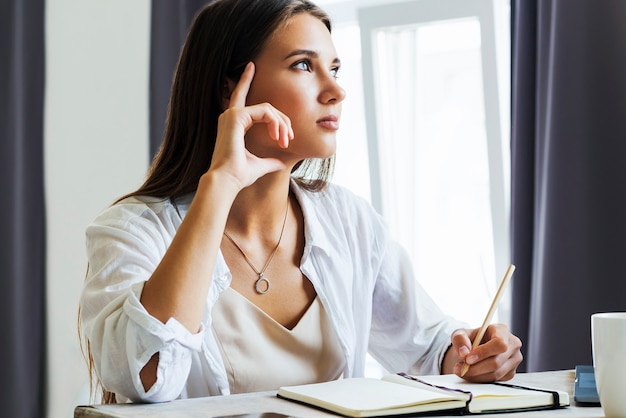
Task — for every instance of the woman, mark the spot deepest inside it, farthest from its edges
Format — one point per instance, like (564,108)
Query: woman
(237,267)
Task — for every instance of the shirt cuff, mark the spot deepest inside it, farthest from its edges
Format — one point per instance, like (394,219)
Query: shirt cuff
(145,336)
(172,330)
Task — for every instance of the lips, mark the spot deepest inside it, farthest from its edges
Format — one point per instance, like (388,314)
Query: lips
(330,122)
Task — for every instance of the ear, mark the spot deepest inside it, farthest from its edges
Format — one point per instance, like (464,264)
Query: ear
(227,89)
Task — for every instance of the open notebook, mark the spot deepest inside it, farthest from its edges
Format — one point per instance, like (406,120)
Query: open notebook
(403,394)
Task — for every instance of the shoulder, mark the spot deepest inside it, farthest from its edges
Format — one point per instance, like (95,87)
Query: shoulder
(142,212)
(340,211)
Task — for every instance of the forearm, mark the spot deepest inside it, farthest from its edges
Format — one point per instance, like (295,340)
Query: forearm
(179,285)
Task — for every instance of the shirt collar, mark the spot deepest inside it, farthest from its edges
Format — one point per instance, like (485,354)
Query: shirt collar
(315,233)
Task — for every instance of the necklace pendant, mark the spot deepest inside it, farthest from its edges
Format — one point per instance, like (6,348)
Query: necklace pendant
(259,286)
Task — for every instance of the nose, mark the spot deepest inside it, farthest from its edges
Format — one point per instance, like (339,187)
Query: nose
(332,92)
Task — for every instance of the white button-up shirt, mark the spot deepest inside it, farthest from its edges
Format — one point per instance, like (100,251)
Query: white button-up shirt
(363,279)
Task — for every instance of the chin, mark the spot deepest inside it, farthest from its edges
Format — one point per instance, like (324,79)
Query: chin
(328,148)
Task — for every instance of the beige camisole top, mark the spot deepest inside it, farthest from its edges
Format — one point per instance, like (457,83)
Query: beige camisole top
(260,354)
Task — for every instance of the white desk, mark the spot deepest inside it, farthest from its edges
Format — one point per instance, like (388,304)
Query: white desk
(256,404)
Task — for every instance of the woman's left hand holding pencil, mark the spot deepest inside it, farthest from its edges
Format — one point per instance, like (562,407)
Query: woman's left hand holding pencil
(495,359)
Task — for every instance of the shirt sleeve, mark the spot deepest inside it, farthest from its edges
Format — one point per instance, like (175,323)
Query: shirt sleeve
(409,331)
(124,247)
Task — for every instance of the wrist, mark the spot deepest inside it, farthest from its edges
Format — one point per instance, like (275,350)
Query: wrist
(223,184)
(449,360)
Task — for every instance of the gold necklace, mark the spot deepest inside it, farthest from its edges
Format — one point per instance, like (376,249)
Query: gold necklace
(262,279)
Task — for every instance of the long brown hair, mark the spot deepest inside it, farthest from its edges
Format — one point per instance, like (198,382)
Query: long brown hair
(224,36)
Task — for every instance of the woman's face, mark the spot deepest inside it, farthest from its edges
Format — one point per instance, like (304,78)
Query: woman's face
(296,72)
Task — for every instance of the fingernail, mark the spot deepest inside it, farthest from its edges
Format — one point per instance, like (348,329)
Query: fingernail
(471,359)
(463,352)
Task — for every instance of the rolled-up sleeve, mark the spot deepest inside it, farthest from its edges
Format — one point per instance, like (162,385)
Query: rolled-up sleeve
(124,246)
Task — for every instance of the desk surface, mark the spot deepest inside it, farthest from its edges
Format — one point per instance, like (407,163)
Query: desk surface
(263,403)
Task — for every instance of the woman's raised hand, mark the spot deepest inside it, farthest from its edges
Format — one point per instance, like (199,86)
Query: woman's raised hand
(230,154)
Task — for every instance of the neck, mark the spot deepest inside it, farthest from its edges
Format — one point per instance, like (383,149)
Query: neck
(260,208)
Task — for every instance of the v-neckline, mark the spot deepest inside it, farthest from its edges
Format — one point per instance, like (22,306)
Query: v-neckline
(306,313)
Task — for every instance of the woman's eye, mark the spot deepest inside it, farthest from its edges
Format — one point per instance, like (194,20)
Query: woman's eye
(302,65)
(334,72)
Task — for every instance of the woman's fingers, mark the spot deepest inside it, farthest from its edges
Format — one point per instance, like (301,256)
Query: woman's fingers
(496,358)
(278,124)
(496,368)
(240,92)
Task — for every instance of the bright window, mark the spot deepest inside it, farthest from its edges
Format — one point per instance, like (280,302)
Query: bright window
(426,124)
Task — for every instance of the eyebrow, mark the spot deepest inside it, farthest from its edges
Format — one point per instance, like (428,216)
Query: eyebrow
(309,53)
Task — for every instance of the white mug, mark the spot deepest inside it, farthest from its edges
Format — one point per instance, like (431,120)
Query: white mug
(608,342)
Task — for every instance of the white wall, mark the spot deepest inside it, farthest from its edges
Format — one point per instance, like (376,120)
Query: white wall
(96,149)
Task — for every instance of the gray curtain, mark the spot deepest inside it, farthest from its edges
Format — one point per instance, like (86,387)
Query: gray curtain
(170,23)
(22,226)
(568,174)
